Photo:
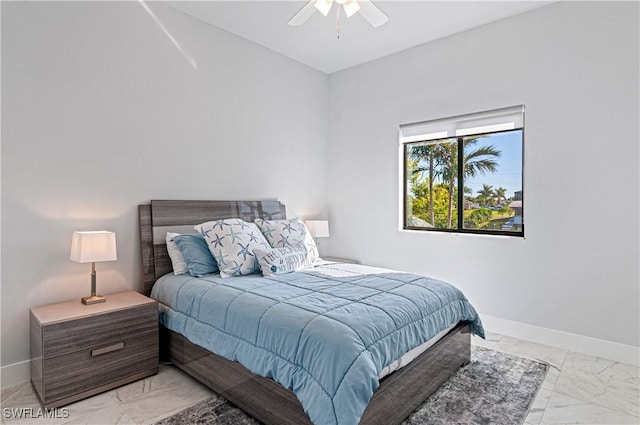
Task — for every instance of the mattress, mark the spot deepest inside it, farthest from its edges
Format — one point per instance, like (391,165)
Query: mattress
(327,332)
(412,354)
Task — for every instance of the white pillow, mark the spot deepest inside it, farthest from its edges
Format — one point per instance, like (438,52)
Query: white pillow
(282,260)
(231,242)
(177,259)
(284,233)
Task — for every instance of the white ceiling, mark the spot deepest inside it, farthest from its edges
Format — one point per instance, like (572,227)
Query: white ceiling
(315,43)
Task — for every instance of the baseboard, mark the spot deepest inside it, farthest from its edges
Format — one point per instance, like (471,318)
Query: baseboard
(583,344)
(14,374)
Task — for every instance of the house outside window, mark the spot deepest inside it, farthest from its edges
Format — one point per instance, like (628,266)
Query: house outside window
(464,174)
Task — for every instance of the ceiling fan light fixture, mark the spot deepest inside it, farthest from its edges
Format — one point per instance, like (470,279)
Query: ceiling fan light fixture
(324,6)
(350,7)
(367,10)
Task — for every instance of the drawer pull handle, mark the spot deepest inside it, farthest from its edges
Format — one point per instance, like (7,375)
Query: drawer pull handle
(107,349)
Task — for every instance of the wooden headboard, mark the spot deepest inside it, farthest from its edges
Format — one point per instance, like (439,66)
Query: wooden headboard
(160,217)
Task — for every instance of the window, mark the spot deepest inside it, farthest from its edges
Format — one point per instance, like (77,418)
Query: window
(464,174)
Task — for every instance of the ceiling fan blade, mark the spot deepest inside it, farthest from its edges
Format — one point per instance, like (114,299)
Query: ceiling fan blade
(350,7)
(324,6)
(372,14)
(303,14)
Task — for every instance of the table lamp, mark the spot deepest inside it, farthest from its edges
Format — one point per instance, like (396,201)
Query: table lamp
(318,228)
(92,247)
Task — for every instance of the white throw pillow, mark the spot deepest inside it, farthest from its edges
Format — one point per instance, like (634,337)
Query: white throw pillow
(231,242)
(282,260)
(177,259)
(284,233)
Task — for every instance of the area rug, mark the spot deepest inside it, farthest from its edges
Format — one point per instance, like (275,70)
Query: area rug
(495,388)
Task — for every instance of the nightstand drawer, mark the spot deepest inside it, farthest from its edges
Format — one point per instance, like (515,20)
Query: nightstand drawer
(98,331)
(99,365)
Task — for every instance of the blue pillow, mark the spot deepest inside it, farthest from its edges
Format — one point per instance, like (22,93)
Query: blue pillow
(199,260)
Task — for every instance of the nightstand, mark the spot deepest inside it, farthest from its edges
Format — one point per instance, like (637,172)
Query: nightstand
(81,350)
(340,260)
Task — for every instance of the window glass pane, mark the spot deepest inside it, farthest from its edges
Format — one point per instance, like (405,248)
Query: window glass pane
(493,182)
(432,184)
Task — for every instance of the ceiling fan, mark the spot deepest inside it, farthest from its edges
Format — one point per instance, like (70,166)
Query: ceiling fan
(368,10)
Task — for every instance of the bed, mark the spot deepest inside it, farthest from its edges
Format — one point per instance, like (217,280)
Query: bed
(390,398)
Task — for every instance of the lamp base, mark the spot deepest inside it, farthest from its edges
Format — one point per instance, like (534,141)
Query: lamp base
(95,299)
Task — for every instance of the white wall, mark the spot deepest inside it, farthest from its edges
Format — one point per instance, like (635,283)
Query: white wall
(102,112)
(575,67)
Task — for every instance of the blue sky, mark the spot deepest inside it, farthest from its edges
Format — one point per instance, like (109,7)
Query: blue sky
(509,173)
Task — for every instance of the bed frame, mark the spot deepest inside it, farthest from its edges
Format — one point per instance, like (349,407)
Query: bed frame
(399,393)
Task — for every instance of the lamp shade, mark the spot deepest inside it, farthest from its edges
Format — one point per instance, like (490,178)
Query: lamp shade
(90,247)
(318,228)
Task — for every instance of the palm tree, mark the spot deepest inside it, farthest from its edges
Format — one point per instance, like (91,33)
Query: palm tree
(432,154)
(500,194)
(476,161)
(450,175)
(468,193)
(480,160)
(485,194)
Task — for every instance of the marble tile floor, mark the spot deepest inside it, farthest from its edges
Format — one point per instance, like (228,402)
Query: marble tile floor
(579,389)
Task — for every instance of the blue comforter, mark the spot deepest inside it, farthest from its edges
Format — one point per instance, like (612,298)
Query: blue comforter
(324,332)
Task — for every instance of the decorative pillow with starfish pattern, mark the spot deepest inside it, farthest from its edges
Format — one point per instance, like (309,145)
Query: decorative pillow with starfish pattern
(285,233)
(231,242)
